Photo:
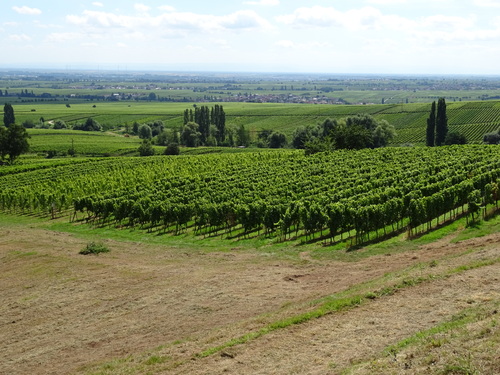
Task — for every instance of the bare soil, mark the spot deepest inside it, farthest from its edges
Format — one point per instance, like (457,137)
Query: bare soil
(62,313)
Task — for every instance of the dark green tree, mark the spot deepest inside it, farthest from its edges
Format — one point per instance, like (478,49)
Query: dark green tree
(277,140)
(383,133)
(202,118)
(218,118)
(492,138)
(243,136)
(146,148)
(431,126)
(302,135)
(441,122)
(172,149)
(13,142)
(327,127)
(191,135)
(8,115)
(164,138)
(455,138)
(60,124)
(89,125)
(353,137)
(145,132)
(135,128)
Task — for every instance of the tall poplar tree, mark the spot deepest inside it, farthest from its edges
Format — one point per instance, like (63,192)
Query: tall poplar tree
(8,115)
(441,122)
(431,126)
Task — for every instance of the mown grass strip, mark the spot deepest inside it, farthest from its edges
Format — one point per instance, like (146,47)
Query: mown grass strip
(334,304)
(452,327)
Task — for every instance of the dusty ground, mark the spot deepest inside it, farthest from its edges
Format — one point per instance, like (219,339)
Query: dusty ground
(62,312)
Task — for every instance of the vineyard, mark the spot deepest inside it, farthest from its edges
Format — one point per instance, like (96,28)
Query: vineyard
(357,196)
(472,119)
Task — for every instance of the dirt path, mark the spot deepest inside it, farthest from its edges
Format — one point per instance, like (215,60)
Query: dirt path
(62,311)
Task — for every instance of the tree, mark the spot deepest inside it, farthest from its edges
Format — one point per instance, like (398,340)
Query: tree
(172,149)
(89,125)
(191,135)
(60,124)
(13,142)
(327,127)
(163,138)
(277,140)
(145,132)
(492,138)
(146,148)
(156,127)
(302,135)
(441,122)
(135,128)
(455,138)
(383,133)
(218,118)
(28,124)
(353,137)
(243,136)
(431,126)
(8,115)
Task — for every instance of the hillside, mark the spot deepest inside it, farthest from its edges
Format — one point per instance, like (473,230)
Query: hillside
(426,306)
(474,119)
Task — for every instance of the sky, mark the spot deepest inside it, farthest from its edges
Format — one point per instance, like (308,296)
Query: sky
(311,36)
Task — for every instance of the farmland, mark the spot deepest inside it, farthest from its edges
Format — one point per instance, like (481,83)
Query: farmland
(473,119)
(282,194)
(250,260)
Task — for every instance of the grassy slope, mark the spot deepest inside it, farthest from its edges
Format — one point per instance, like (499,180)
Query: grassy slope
(465,342)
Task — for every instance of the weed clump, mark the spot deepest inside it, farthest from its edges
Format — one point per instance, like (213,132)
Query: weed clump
(94,248)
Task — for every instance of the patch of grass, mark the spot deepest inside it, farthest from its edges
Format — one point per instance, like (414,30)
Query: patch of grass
(483,228)
(456,346)
(94,248)
(156,359)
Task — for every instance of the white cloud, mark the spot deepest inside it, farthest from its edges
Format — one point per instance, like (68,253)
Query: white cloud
(386,2)
(97,4)
(354,19)
(27,10)
(63,37)
(487,3)
(166,8)
(122,45)
(169,22)
(447,23)
(19,37)
(263,2)
(11,24)
(221,43)
(141,8)
(289,44)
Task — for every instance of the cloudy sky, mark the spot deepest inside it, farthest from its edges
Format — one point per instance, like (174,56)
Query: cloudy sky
(329,36)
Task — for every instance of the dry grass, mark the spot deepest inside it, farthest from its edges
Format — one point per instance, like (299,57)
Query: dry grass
(150,309)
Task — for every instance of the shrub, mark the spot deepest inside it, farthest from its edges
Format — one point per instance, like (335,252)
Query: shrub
(94,248)
(172,149)
(146,148)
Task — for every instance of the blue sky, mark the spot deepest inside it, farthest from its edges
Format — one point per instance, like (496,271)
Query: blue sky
(355,36)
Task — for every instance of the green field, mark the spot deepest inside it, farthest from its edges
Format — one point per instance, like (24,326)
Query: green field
(473,119)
